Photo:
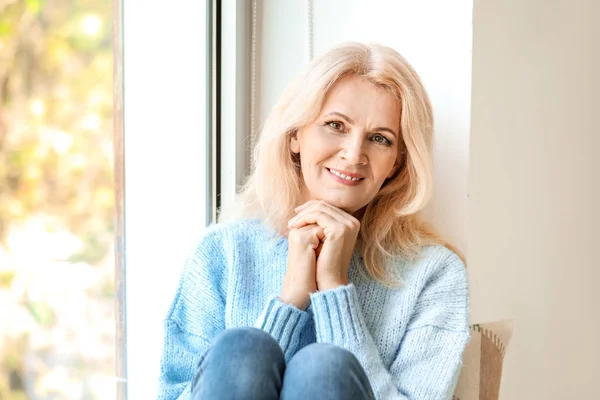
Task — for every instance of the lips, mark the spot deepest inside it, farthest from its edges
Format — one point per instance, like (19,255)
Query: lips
(345,177)
(345,173)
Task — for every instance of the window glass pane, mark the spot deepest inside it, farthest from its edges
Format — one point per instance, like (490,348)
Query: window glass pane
(56,200)
(166,185)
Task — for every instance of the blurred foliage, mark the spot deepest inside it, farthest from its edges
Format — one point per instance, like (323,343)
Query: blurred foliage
(12,386)
(55,143)
(6,278)
(42,313)
(55,118)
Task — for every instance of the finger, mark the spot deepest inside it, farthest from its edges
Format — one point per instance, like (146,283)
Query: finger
(321,218)
(298,221)
(302,229)
(318,249)
(317,235)
(321,204)
(312,234)
(318,232)
(307,228)
(339,215)
(345,218)
(312,230)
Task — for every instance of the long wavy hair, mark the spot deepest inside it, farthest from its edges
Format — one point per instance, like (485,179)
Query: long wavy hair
(391,224)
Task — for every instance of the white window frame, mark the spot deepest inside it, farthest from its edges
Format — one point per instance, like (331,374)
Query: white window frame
(235,46)
(163,170)
(175,161)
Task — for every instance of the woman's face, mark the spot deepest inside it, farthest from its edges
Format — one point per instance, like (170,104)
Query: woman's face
(348,152)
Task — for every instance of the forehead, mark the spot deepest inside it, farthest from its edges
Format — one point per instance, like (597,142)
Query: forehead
(361,100)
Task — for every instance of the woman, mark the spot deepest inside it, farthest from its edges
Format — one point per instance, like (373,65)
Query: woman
(325,283)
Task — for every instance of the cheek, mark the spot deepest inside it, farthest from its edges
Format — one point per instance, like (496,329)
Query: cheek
(316,150)
(383,167)
(310,163)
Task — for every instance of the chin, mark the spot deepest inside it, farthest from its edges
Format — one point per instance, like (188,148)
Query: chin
(347,205)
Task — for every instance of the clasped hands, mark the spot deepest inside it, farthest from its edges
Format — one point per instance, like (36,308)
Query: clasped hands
(321,240)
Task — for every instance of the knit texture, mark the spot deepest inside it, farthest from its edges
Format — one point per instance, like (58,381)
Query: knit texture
(409,340)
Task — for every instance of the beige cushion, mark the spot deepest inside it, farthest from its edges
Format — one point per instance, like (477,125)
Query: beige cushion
(481,372)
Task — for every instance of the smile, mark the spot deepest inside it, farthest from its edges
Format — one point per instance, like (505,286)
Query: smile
(340,177)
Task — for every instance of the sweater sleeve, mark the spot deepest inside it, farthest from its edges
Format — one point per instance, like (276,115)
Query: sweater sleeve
(196,316)
(427,364)
(284,323)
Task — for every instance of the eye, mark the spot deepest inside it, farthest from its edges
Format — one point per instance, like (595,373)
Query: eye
(335,125)
(381,139)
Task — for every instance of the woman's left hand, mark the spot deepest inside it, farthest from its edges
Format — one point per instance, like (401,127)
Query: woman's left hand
(341,230)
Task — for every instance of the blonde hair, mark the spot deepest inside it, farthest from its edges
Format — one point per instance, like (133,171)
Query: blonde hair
(392,225)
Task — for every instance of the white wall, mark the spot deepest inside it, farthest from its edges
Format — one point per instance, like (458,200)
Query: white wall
(433,35)
(534,187)
(530,221)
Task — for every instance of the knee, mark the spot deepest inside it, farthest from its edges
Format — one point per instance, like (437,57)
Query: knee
(247,343)
(242,362)
(323,367)
(247,337)
(325,356)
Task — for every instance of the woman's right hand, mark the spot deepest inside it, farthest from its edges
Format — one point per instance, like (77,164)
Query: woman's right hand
(300,277)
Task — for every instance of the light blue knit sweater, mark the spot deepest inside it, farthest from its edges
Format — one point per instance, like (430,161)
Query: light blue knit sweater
(410,340)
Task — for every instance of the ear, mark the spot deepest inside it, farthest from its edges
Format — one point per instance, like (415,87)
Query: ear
(294,143)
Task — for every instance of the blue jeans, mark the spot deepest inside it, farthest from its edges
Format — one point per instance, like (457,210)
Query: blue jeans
(248,364)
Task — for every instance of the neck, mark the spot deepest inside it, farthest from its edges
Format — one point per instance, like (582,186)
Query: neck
(359,214)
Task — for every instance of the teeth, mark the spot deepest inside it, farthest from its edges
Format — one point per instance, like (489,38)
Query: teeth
(348,178)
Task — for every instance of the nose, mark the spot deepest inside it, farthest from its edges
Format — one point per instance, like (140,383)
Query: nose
(353,150)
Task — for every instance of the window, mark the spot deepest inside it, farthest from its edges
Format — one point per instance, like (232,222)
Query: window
(163,171)
(56,200)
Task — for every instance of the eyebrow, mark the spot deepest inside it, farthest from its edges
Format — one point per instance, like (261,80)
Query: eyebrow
(351,121)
